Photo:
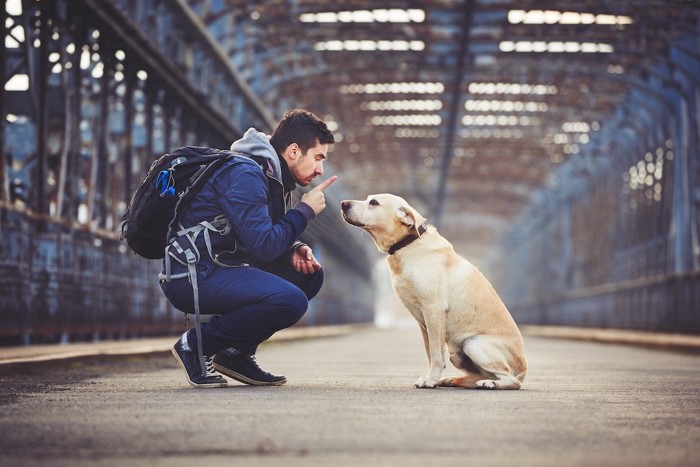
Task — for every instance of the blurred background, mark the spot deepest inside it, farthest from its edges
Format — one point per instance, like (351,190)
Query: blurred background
(554,143)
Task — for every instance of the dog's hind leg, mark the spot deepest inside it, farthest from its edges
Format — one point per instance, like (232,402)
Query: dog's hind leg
(468,381)
(502,381)
(490,361)
(464,363)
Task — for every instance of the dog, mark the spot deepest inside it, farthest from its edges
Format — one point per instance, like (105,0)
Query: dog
(454,304)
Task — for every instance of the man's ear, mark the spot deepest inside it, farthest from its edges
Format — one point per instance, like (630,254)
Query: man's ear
(293,151)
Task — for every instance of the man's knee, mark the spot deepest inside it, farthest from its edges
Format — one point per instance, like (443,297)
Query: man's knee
(291,306)
(313,286)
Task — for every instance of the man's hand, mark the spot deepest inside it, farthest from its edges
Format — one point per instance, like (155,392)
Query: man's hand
(315,197)
(303,260)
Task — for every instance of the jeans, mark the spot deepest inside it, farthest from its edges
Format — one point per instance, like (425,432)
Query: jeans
(250,304)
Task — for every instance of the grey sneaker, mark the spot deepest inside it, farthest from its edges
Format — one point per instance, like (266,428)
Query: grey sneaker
(189,361)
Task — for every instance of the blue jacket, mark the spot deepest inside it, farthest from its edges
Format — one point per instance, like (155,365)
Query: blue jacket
(254,191)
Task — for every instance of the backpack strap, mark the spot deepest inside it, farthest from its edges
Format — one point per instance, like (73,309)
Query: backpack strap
(183,249)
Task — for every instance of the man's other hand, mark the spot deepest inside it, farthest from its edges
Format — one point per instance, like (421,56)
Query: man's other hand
(303,260)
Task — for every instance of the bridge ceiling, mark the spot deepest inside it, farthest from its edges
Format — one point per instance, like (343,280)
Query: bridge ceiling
(464,108)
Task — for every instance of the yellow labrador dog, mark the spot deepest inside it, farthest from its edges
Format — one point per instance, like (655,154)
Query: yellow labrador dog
(452,301)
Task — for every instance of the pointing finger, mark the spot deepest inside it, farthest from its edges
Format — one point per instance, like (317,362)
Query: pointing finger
(326,184)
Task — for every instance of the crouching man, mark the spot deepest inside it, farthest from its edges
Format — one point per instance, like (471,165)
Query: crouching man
(260,278)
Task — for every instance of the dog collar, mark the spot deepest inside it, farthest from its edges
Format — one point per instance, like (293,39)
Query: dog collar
(407,240)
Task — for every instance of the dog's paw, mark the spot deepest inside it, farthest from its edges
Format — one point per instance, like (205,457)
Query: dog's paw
(446,382)
(424,382)
(486,384)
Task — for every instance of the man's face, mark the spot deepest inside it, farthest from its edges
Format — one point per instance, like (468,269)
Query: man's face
(306,167)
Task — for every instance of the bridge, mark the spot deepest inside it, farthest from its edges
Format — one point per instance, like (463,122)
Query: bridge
(555,145)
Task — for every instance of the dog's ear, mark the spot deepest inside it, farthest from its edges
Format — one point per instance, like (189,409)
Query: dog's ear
(407,216)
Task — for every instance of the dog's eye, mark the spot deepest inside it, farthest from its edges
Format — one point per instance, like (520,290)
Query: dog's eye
(373,202)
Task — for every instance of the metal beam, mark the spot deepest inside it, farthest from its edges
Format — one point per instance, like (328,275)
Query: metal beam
(42,69)
(112,19)
(4,179)
(453,119)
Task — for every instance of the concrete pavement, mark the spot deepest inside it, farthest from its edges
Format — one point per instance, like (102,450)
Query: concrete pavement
(49,352)
(350,401)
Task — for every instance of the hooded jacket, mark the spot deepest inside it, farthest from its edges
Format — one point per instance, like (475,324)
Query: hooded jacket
(254,192)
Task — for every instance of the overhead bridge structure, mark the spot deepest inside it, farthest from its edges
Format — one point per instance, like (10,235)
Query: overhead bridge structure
(554,143)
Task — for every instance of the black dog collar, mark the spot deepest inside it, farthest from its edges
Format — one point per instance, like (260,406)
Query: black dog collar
(407,240)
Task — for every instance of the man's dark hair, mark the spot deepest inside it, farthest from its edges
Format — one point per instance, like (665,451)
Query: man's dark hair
(301,127)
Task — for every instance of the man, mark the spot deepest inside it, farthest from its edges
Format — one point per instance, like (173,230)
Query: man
(260,277)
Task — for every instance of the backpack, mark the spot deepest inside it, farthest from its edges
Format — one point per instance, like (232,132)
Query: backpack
(157,204)
(153,216)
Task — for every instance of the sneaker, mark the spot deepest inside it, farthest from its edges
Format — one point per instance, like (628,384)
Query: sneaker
(189,361)
(245,369)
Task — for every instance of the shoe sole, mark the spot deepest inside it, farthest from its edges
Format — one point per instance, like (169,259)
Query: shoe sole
(244,379)
(187,375)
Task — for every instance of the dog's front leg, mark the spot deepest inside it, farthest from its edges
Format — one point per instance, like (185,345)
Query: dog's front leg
(434,331)
(426,344)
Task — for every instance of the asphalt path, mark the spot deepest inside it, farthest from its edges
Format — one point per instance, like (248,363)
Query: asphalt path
(350,401)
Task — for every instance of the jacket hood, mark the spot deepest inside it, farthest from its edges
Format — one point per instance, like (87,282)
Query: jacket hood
(256,143)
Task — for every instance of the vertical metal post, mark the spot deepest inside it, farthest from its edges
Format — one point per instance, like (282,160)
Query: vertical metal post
(42,111)
(104,179)
(5,189)
(693,183)
(682,200)
(73,113)
(151,97)
(453,119)
(167,124)
(62,176)
(128,133)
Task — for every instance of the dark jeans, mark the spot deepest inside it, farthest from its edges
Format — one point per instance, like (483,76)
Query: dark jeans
(251,304)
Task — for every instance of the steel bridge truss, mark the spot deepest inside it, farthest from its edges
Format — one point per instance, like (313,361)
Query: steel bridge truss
(94,92)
